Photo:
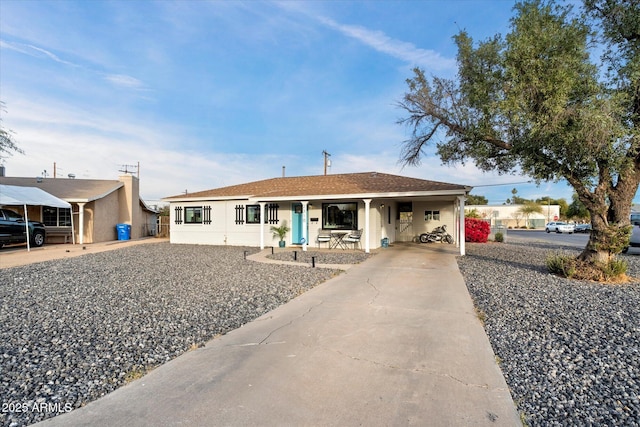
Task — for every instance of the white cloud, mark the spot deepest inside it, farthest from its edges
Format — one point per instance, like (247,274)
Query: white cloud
(405,51)
(124,81)
(35,51)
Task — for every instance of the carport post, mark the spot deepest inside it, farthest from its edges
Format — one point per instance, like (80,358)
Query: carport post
(261,225)
(26,226)
(80,221)
(461,234)
(367,210)
(305,204)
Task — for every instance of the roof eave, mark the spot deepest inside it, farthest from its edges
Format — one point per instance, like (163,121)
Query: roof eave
(457,192)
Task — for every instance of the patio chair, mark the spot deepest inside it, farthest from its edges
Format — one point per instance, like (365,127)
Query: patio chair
(354,238)
(324,236)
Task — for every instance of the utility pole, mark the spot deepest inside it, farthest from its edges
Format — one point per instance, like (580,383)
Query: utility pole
(327,162)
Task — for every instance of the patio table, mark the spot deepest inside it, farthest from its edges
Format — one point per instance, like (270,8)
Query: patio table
(337,237)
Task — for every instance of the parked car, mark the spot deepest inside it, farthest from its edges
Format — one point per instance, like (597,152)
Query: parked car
(559,227)
(12,229)
(634,241)
(582,228)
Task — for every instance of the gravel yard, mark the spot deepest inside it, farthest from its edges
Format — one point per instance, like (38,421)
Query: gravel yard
(75,329)
(334,256)
(569,350)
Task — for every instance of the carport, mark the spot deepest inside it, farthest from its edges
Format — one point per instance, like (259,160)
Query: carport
(11,195)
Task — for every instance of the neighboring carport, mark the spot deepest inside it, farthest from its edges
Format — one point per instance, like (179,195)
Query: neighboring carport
(11,195)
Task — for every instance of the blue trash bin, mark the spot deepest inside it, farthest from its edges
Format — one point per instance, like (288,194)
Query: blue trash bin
(385,242)
(124,231)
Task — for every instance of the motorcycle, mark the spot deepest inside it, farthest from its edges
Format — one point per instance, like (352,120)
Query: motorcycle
(438,234)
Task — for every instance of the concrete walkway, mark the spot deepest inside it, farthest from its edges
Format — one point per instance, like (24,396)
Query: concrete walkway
(391,341)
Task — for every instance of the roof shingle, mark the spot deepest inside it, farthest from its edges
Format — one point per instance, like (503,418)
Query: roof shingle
(321,185)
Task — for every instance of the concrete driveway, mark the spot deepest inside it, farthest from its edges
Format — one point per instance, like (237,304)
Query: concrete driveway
(392,341)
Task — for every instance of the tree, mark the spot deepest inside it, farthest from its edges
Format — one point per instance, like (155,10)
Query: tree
(529,208)
(515,200)
(476,200)
(7,143)
(576,209)
(517,215)
(562,203)
(473,213)
(534,103)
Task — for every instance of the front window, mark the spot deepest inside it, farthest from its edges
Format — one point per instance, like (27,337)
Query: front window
(253,214)
(56,217)
(340,216)
(193,215)
(432,215)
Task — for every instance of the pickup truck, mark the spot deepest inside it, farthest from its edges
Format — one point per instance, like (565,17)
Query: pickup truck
(12,229)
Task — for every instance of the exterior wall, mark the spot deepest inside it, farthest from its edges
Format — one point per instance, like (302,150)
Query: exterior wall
(223,229)
(102,216)
(148,223)
(422,225)
(508,215)
(129,209)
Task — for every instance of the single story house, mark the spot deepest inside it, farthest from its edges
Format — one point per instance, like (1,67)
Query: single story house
(380,206)
(97,207)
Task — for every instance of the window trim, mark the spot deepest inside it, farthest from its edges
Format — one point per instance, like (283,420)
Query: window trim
(432,215)
(59,216)
(197,215)
(255,209)
(325,216)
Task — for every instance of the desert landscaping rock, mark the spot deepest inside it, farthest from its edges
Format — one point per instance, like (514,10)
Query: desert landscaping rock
(569,350)
(335,256)
(73,330)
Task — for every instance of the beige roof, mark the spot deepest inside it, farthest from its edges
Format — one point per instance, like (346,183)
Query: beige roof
(70,190)
(366,183)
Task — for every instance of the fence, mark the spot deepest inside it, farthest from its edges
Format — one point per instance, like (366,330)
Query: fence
(163,226)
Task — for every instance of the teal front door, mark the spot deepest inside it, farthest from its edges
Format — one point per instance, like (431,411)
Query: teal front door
(296,224)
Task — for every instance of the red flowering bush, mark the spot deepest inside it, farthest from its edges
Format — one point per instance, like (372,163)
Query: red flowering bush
(476,230)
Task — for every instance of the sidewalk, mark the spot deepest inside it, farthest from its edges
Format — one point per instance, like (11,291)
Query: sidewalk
(17,255)
(391,341)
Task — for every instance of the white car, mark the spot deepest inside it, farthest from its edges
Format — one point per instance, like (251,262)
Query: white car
(559,227)
(634,242)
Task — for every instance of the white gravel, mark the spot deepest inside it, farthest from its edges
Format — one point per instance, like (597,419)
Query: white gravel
(569,350)
(75,329)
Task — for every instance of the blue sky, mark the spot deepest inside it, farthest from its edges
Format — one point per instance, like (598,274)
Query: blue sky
(206,94)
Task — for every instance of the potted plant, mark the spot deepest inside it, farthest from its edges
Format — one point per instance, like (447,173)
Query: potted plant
(280,232)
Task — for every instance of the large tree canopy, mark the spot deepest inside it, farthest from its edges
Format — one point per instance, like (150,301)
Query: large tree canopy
(535,102)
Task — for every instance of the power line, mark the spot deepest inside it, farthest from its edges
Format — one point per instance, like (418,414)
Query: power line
(506,183)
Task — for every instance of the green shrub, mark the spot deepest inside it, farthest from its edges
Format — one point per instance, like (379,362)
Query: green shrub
(562,265)
(498,237)
(613,271)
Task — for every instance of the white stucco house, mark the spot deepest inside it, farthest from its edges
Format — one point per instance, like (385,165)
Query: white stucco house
(381,206)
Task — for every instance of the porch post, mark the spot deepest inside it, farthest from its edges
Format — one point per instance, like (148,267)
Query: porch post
(367,210)
(461,235)
(81,221)
(261,225)
(305,203)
